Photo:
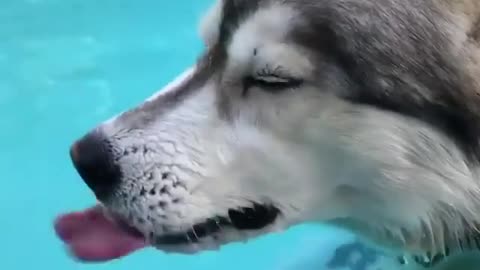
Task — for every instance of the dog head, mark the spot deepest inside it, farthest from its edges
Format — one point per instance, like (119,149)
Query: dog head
(296,111)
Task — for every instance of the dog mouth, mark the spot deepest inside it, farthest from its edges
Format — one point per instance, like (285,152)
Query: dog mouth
(256,217)
(94,235)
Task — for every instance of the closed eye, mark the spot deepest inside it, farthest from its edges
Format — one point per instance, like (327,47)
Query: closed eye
(271,83)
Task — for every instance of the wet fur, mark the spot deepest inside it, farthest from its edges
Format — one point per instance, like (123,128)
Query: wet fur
(392,91)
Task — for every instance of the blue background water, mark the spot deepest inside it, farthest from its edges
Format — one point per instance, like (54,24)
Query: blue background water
(66,65)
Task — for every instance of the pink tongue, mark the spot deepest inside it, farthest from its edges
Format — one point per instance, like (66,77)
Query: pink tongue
(93,237)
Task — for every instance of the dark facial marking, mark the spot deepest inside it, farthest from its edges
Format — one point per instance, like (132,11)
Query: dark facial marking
(233,13)
(256,217)
(397,57)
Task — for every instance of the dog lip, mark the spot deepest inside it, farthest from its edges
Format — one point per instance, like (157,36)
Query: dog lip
(253,218)
(256,217)
(198,231)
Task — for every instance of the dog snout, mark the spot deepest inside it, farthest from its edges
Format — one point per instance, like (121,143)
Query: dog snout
(94,160)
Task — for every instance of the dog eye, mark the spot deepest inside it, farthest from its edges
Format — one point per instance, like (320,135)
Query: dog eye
(271,83)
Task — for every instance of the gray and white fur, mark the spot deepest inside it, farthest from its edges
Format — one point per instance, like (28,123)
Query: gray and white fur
(359,113)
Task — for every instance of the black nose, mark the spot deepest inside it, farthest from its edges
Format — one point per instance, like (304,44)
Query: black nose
(93,158)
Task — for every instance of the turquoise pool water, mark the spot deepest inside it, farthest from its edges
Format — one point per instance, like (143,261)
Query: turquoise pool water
(66,65)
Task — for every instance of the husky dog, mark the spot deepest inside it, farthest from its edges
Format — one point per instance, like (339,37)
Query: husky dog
(364,114)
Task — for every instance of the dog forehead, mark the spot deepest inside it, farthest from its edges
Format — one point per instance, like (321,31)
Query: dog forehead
(269,24)
(229,17)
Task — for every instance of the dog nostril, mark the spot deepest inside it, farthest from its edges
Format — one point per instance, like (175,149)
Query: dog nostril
(94,161)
